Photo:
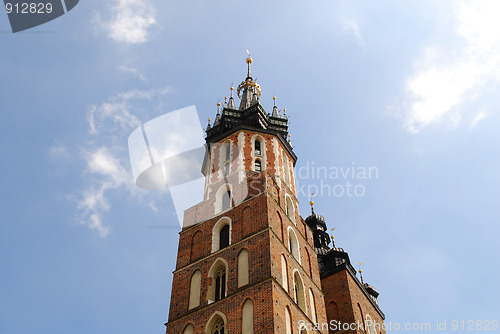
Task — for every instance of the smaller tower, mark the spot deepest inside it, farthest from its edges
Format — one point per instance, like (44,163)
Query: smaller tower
(347,299)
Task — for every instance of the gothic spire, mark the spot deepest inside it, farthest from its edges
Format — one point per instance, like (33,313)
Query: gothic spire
(231,105)
(250,91)
(275,109)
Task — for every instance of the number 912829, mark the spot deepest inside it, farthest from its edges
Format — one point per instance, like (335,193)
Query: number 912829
(28,8)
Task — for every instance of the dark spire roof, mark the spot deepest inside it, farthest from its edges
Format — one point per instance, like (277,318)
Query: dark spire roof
(250,115)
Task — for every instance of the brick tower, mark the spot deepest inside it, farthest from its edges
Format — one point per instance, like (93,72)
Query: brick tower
(247,262)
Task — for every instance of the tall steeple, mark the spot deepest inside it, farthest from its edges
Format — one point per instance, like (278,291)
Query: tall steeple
(250,91)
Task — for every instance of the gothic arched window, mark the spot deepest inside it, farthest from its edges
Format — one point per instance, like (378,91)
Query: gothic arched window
(218,327)
(194,290)
(258,166)
(257,147)
(299,292)
(226,200)
(220,283)
(224,237)
(293,244)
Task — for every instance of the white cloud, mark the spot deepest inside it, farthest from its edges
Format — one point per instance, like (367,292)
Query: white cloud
(479,117)
(351,26)
(131,21)
(134,72)
(107,169)
(117,110)
(445,79)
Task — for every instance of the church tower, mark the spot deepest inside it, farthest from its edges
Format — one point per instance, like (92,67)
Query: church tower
(247,262)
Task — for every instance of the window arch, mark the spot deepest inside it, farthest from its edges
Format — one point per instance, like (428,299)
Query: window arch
(312,305)
(288,320)
(293,244)
(284,273)
(370,325)
(257,147)
(227,151)
(189,330)
(194,290)
(216,324)
(258,165)
(290,209)
(286,168)
(218,280)
(243,268)
(223,198)
(247,323)
(221,234)
(299,291)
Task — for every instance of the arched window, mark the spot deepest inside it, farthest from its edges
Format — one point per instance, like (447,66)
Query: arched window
(288,321)
(228,151)
(247,323)
(220,283)
(286,170)
(221,234)
(293,244)
(227,168)
(223,198)
(216,326)
(189,330)
(362,317)
(312,305)
(257,147)
(370,325)
(290,210)
(258,165)
(284,273)
(224,237)
(194,290)
(299,291)
(226,200)
(218,280)
(243,268)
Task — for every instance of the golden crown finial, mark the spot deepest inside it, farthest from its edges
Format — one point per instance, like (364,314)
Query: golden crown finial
(311,203)
(218,104)
(274,97)
(209,119)
(232,88)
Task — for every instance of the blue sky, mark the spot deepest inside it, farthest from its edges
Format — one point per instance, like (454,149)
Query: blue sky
(410,88)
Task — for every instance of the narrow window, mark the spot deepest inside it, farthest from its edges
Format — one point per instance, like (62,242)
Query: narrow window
(227,168)
(312,304)
(243,268)
(247,325)
(284,273)
(286,169)
(194,290)
(226,200)
(228,151)
(299,292)
(288,321)
(293,245)
(290,212)
(257,147)
(258,166)
(220,283)
(224,237)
